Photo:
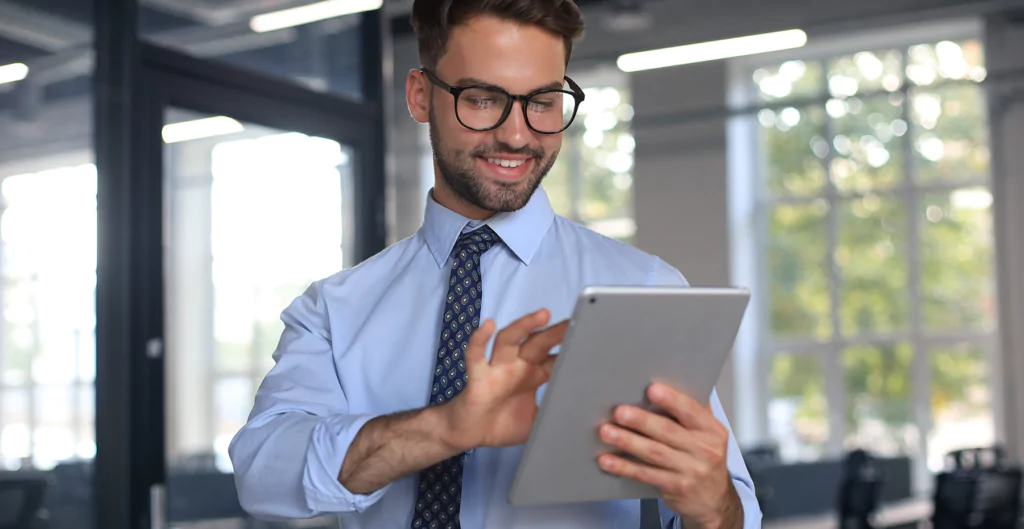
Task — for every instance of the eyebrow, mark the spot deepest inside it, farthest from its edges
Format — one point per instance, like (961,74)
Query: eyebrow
(557,85)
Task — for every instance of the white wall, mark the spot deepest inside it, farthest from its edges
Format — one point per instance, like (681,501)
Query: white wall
(680,180)
(1004,42)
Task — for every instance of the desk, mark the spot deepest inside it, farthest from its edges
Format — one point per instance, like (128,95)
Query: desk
(906,512)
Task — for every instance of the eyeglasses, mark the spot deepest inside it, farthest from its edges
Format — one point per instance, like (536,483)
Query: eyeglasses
(483,108)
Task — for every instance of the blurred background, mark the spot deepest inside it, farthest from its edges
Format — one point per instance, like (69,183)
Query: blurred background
(174,172)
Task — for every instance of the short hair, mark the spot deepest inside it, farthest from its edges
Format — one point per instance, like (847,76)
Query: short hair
(432,21)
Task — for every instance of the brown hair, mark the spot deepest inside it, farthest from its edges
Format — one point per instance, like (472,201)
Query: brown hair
(432,20)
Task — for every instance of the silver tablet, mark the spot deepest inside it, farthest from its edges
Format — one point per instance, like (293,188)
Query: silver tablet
(620,340)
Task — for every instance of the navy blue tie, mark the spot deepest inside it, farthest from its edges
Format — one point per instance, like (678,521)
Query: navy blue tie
(440,487)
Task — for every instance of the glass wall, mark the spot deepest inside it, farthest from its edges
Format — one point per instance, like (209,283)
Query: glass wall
(254,216)
(47,255)
(316,44)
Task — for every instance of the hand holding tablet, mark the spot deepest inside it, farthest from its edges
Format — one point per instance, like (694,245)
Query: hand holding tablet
(634,377)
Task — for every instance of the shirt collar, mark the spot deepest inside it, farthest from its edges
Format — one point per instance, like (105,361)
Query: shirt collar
(522,230)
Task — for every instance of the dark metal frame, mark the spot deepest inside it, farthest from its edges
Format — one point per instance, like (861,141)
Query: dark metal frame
(134,84)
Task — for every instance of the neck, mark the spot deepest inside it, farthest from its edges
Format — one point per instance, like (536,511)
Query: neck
(448,198)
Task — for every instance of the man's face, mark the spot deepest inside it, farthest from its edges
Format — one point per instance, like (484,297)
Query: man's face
(499,169)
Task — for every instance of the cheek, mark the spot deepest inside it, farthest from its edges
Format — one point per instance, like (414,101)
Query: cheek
(551,144)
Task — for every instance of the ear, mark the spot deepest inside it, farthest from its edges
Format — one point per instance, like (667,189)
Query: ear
(417,96)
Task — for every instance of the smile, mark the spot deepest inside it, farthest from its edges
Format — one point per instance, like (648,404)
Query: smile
(511,164)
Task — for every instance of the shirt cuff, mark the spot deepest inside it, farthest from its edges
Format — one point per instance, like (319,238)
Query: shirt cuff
(330,442)
(748,501)
(751,509)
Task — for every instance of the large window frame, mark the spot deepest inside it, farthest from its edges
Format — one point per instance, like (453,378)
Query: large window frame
(750,209)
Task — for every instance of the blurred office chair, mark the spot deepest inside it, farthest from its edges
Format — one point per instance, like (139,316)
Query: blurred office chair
(982,498)
(760,457)
(764,455)
(68,502)
(967,459)
(21,500)
(998,499)
(859,491)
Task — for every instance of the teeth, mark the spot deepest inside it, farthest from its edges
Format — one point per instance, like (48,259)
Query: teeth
(511,164)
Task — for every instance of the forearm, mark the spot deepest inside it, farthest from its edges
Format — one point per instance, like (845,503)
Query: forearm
(391,447)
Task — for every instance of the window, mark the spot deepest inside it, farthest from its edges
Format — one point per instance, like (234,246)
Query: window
(591,182)
(876,252)
(48,359)
(255,217)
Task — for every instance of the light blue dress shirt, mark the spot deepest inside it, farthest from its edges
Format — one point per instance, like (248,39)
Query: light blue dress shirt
(361,344)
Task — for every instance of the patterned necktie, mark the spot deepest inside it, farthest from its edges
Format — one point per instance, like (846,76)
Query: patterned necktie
(440,491)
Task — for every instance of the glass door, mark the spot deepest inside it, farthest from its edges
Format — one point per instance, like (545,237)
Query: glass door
(253,215)
(250,189)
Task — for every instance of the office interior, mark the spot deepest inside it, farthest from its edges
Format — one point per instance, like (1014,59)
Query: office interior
(174,172)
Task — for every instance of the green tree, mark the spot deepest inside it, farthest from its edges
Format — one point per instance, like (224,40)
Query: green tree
(866,141)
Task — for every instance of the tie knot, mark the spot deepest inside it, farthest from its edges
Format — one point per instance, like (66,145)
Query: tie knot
(478,241)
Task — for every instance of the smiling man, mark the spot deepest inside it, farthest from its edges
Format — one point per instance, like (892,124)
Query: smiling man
(395,402)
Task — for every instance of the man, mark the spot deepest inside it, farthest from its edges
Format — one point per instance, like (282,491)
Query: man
(394,401)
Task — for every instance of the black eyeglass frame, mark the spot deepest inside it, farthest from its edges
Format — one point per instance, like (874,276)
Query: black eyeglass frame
(456,91)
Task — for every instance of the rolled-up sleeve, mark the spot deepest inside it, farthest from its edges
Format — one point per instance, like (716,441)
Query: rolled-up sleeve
(288,455)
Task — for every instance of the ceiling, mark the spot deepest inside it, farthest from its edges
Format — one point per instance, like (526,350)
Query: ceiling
(53,36)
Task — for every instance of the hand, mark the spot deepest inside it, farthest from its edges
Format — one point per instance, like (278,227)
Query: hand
(499,404)
(684,458)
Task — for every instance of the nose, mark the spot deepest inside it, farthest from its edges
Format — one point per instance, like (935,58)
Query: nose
(514,131)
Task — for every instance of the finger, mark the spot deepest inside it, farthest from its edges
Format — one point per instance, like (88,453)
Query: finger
(656,454)
(476,352)
(506,344)
(684,409)
(542,375)
(548,366)
(665,481)
(538,346)
(654,426)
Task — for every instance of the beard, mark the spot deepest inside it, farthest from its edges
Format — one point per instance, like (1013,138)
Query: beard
(457,172)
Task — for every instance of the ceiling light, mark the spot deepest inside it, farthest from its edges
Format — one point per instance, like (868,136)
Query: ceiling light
(12,73)
(200,128)
(306,14)
(712,51)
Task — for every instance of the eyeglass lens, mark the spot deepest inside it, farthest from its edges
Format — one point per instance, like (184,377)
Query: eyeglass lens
(482,108)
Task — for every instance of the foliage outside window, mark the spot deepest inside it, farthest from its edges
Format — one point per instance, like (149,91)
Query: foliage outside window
(592,182)
(876,251)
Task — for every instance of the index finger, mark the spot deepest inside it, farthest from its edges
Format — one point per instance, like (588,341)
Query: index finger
(519,330)
(538,346)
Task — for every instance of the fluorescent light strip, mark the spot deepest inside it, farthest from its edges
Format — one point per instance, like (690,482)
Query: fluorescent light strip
(12,73)
(200,128)
(298,16)
(712,51)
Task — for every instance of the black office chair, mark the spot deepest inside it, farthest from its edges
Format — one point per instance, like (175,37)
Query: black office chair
(859,491)
(982,498)
(68,502)
(21,501)
(976,458)
(763,455)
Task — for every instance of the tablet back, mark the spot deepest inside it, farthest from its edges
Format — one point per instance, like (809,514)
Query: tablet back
(620,340)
